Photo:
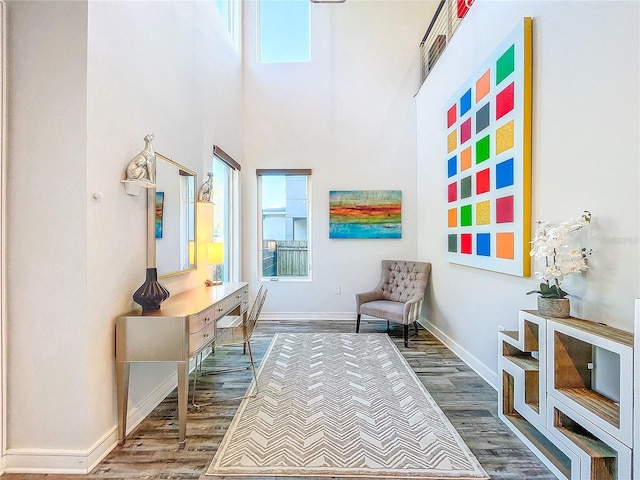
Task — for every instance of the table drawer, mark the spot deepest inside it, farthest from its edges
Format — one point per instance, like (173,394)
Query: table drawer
(201,338)
(231,302)
(199,321)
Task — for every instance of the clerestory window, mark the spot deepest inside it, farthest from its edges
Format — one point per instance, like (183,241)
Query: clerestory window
(284,31)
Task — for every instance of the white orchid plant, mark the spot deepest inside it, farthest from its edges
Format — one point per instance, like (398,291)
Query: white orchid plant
(551,244)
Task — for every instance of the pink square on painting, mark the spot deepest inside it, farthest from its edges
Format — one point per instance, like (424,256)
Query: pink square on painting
(453,192)
(504,101)
(483,181)
(465,131)
(504,209)
(465,243)
(451,116)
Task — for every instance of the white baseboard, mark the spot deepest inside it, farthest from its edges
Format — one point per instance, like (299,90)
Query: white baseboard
(81,462)
(480,368)
(273,316)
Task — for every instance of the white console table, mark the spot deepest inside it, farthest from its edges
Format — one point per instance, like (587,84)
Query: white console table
(181,329)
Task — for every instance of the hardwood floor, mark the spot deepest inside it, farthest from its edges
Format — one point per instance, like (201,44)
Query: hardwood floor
(468,401)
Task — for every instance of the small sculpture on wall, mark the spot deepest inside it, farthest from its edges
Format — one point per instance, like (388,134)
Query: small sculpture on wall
(204,194)
(142,166)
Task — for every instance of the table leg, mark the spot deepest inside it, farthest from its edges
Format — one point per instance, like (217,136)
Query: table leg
(183,394)
(122,385)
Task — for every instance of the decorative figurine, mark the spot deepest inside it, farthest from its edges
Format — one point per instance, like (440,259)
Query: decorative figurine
(204,194)
(142,166)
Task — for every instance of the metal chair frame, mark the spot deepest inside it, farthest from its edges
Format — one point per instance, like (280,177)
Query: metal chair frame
(227,336)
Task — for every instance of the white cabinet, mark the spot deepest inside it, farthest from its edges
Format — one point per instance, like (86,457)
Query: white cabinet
(550,400)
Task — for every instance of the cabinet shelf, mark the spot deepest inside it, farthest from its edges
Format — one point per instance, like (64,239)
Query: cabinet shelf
(601,456)
(542,443)
(557,458)
(525,362)
(512,334)
(600,405)
(573,358)
(553,398)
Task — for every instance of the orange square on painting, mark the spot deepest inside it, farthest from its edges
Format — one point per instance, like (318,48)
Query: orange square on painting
(465,159)
(483,85)
(453,217)
(504,245)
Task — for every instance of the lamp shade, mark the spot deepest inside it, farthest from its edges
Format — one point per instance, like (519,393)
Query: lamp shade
(215,253)
(192,253)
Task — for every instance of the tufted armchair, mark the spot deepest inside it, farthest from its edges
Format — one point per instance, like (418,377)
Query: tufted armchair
(398,296)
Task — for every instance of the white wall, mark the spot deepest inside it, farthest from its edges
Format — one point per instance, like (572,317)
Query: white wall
(87,82)
(585,157)
(349,115)
(46,226)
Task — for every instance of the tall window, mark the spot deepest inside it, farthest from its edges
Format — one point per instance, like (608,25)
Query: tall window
(284,31)
(230,12)
(225,200)
(285,224)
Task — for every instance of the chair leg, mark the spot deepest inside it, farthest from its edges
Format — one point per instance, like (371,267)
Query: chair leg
(358,323)
(415,325)
(406,335)
(253,367)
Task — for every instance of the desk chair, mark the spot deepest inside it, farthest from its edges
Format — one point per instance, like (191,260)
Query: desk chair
(234,330)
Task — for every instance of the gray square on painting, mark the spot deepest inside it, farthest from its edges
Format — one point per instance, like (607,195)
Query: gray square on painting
(465,187)
(482,118)
(453,242)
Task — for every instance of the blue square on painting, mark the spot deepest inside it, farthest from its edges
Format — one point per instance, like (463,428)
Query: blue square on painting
(504,173)
(465,102)
(483,244)
(452,167)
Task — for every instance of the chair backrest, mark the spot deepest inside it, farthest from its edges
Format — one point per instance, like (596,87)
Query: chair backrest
(240,332)
(251,319)
(402,280)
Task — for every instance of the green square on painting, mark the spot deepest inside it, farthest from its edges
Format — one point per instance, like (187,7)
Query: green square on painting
(483,147)
(465,216)
(505,64)
(453,242)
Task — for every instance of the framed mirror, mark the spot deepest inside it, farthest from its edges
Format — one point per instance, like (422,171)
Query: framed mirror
(174,216)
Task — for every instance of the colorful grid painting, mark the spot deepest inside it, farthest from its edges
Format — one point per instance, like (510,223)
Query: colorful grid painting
(365,214)
(488,161)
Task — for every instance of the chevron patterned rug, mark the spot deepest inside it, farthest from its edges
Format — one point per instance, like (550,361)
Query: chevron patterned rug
(341,405)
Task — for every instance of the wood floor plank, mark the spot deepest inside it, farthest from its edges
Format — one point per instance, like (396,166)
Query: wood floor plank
(468,401)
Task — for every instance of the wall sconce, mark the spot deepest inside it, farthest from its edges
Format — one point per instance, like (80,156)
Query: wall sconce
(141,171)
(215,256)
(206,190)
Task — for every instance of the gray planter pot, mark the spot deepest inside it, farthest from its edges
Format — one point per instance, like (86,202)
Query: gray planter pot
(554,307)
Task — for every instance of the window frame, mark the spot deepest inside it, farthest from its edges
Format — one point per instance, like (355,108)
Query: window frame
(232,269)
(309,227)
(232,21)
